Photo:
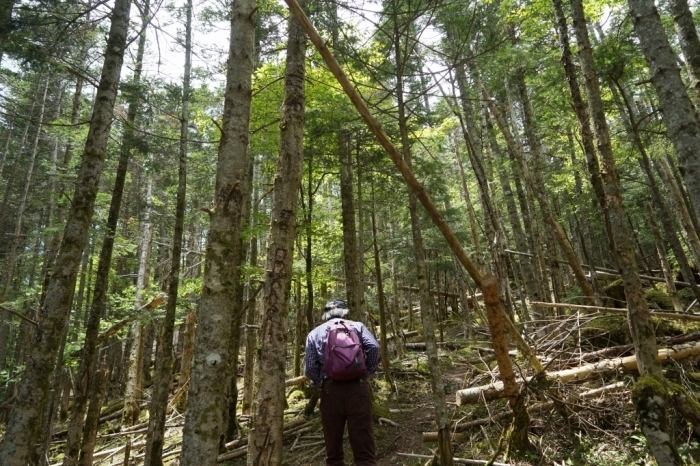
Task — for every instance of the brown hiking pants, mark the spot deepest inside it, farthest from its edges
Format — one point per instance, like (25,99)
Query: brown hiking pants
(349,402)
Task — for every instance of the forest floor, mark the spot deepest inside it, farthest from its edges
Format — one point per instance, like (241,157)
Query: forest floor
(567,426)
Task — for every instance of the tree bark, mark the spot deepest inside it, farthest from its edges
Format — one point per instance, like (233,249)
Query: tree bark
(97,394)
(211,360)
(251,333)
(661,252)
(651,405)
(25,420)
(688,40)
(380,297)
(426,300)
(186,362)
(99,296)
(265,438)
(350,254)
(679,113)
(164,359)
(134,377)
(537,188)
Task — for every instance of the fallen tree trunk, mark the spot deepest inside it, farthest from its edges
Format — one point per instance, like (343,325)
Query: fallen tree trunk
(607,272)
(292,429)
(295,381)
(470,299)
(536,407)
(495,390)
(614,310)
(412,333)
(445,344)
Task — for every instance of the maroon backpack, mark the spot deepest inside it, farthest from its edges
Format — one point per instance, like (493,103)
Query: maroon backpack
(343,358)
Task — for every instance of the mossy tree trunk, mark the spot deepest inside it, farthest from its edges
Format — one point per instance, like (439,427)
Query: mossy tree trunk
(86,367)
(650,400)
(212,364)
(24,425)
(680,116)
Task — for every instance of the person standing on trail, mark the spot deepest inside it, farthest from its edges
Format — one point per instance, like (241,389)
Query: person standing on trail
(341,355)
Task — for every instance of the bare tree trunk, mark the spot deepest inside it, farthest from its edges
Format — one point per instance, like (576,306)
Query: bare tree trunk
(97,394)
(380,298)
(426,300)
(186,363)
(134,378)
(86,368)
(537,188)
(679,113)
(25,420)
(251,336)
(212,362)
(350,254)
(467,200)
(661,251)
(164,358)
(688,40)
(12,255)
(666,174)
(651,404)
(265,438)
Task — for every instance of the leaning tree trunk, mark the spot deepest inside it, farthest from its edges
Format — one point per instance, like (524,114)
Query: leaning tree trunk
(680,116)
(211,363)
(536,186)
(265,438)
(666,173)
(24,425)
(164,359)
(488,283)
(86,368)
(632,124)
(649,400)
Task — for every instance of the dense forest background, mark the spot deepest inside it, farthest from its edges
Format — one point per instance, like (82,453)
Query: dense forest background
(184,184)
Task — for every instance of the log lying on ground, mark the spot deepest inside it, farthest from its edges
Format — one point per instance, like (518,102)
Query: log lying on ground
(605,272)
(286,429)
(614,310)
(456,460)
(445,344)
(295,381)
(495,390)
(414,289)
(412,333)
(536,407)
(288,434)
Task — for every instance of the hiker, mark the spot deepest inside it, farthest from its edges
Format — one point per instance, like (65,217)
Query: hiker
(341,355)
